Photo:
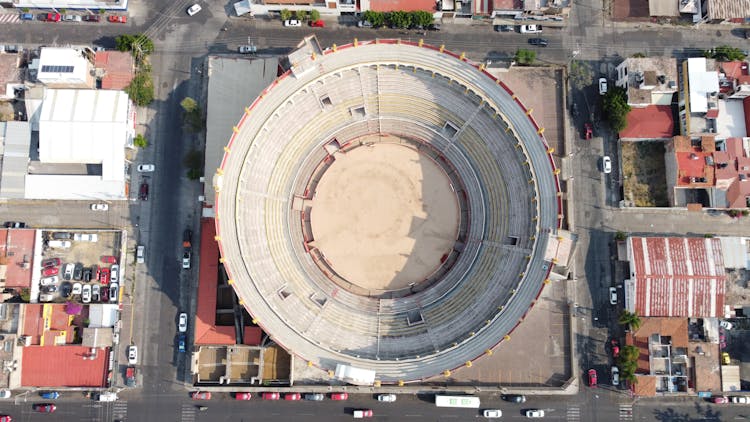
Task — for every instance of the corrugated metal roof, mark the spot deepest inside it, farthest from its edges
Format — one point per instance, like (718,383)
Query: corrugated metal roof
(728,9)
(17,144)
(676,276)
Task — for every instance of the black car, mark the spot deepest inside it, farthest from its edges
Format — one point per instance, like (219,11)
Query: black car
(434,27)
(143,193)
(87,274)
(49,289)
(503,28)
(61,236)
(91,18)
(66,289)
(78,272)
(538,41)
(515,398)
(15,224)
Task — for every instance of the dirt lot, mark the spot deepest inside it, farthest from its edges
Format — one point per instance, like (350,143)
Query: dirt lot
(644,175)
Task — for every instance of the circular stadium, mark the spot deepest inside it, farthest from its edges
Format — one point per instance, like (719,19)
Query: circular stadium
(387,205)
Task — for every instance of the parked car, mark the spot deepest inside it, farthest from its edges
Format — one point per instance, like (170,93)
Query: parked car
(615,376)
(531,29)
(201,395)
(49,395)
(104,276)
(615,345)
(91,18)
(362,413)
(59,244)
(588,131)
(612,296)
(492,413)
(534,413)
(68,271)
(181,343)
(515,398)
(27,16)
(50,271)
(143,192)
(194,9)
(14,224)
(114,273)
(318,24)
(364,24)
(606,164)
(47,281)
(114,290)
(725,325)
(246,49)
(433,27)
(132,354)
(117,19)
(243,396)
(44,407)
(46,297)
(62,236)
(270,396)
(66,289)
(388,398)
(292,396)
(725,359)
(51,262)
(105,294)
(86,237)
(96,272)
(541,42)
(740,399)
(6,418)
(146,168)
(78,271)
(186,260)
(720,400)
(109,259)
(53,17)
(602,86)
(99,207)
(140,254)
(72,18)
(182,324)
(77,288)
(592,377)
(315,397)
(95,290)
(87,275)
(49,289)
(86,294)
(292,22)
(503,28)
(339,396)
(5,394)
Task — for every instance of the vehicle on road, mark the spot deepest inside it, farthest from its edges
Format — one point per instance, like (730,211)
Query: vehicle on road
(44,407)
(530,29)
(362,413)
(14,224)
(492,413)
(315,397)
(740,399)
(720,400)
(194,9)
(186,260)
(270,396)
(612,296)
(541,42)
(132,354)
(318,24)
(534,413)
(6,418)
(247,49)
(588,131)
(615,376)
(49,395)
(72,18)
(118,19)
(388,398)
(602,86)
(592,377)
(292,396)
(515,398)
(5,394)
(339,396)
(243,396)
(86,294)
(99,207)
(457,401)
(50,271)
(725,325)
(143,192)
(615,345)
(181,343)
(201,395)
(433,27)
(146,168)
(292,22)
(140,254)
(606,164)
(107,396)
(182,324)
(91,18)
(53,17)
(503,28)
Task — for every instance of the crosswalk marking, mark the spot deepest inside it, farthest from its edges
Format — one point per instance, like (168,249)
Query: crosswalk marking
(188,413)
(626,412)
(9,18)
(573,414)
(120,410)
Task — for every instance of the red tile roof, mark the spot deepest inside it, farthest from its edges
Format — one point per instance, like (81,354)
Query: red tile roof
(17,246)
(206,332)
(119,68)
(651,122)
(44,327)
(676,276)
(64,366)
(405,5)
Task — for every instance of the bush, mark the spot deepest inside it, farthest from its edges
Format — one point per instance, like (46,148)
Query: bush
(314,15)
(192,114)
(302,15)
(525,57)
(375,18)
(285,14)
(140,141)
(422,18)
(620,236)
(139,44)
(580,74)
(141,89)
(616,107)
(398,19)
(194,162)
(725,53)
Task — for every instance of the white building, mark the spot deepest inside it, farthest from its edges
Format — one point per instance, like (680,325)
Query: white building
(65,67)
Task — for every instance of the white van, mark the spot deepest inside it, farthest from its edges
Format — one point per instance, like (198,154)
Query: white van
(107,396)
(62,244)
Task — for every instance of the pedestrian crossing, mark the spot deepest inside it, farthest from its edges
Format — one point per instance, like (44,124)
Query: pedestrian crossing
(626,412)
(188,413)
(573,414)
(119,410)
(10,18)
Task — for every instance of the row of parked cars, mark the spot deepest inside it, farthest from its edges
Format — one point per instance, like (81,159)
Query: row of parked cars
(57,17)
(108,277)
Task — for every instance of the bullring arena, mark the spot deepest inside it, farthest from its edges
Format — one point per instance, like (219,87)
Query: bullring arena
(387,205)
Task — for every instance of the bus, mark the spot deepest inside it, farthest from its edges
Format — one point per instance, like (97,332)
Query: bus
(457,401)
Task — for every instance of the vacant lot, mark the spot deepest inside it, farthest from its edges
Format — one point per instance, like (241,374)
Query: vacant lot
(643,173)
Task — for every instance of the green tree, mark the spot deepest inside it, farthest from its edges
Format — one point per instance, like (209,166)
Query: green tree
(141,89)
(421,17)
(124,42)
(302,15)
(377,19)
(139,44)
(285,14)
(580,74)
(525,57)
(194,162)
(398,19)
(620,236)
(630,319)
(25,295)
(726,53)
(189,105)
(616,107)
(140,141)
(314,15)
(192,114)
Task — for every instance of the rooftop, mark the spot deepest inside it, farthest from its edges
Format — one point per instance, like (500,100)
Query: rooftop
(651,122)
(64,366)
(118,68)
(703,84)
(651,80)
(17,247)
(694,162)
(405,5)
(728,9)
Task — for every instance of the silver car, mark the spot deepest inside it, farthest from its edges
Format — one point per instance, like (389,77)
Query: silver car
(388,398)
(86,294)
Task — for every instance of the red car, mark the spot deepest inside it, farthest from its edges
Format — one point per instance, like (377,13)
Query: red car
(720,400)
(242,396)
(592,377)
(52,262)
(118,19)
(104,278)
(109,259)
(339,396)
(5,418)
(53,17)
(201,395)
(44,407)
(615,348)
(105,295)
(46,272)
(143,193)
(318,24)
(588,130)
(270,396)
(292,396)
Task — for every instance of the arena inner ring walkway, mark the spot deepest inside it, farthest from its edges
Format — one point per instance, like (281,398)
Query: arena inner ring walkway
(483,136)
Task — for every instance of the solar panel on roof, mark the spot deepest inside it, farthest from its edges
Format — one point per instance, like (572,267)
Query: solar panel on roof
(57,69)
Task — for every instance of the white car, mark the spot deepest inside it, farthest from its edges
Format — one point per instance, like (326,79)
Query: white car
(615,376)
(77,288)
(132,354)
(114,275)
(492,413)
(86,237)
(146,168)
(48,281)
(612,296)
(602,86)
(72,18)
(535,413)
(114,292)
(186,260)
(5,394)
(182,324)
(86,294)
(46,298)
(606,164)
(68,271)
(246,49)
(140,254)
(99,207)
(531,29)
(292,22)
(740,399)
(726,325)
(194,9)
(62,244)
(388,398)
